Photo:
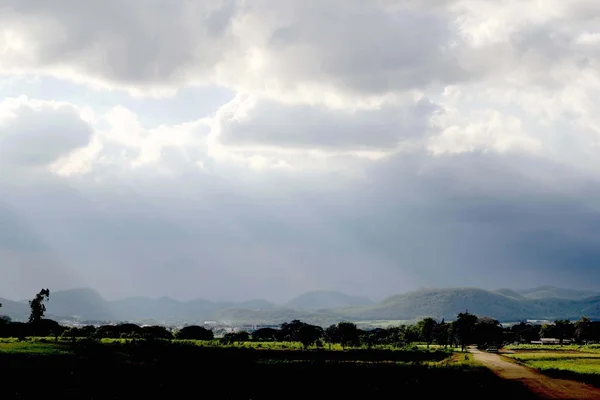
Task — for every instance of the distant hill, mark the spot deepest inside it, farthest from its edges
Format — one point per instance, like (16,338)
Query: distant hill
(551,292)
(319,300)
(167,310)
(81,303)
(447,303)
(13,309)
(443,303)
(510,293)
(277,316)
(256,304)
(322,307)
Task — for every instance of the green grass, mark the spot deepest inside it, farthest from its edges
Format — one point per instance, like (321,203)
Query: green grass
(590,348)
(579,365)
(33,348)
(218,343)
(464,361)
(50,345)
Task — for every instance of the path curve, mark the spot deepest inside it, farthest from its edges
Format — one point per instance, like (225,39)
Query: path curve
(541,385)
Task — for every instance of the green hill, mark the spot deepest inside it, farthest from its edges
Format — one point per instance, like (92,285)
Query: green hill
(323,307)
(551,292)
(82,303)
(443,303)
(510,293)
(324,299)
(15,310)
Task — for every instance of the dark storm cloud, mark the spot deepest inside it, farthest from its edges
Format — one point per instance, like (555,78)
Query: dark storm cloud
(398,230)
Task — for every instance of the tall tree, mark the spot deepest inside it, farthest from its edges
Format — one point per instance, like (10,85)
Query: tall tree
(426,328)
(464,327)
(349,334)
(583,329)
(488,331)
(564,329)
(194,332)
(265,335)
(331,335)
(37,306)
(309,334)
(441,333)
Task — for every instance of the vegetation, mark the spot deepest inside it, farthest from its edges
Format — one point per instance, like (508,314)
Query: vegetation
(155,360)
(170,369)
(37,306)
(582,364)
(588,348)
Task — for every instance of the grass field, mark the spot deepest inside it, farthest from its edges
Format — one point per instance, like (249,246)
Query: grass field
(125,370)
(217,343)
(34,348)
(590,348)
(581,363)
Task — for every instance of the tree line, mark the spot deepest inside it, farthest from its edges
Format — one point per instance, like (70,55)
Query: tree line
(466,329)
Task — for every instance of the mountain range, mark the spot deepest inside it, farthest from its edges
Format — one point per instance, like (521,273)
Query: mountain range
(323,307)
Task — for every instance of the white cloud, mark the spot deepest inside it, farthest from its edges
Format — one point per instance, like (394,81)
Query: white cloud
(359,133)
(484,131)
(34,134)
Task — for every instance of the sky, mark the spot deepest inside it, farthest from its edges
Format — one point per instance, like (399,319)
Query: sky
(239,149)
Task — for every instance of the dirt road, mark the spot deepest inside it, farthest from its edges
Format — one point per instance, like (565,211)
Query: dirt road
(544,387)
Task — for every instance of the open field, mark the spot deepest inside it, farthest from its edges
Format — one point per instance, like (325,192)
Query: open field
(589,348)
(217,343)
(582,364)
(162,369)
(542,385)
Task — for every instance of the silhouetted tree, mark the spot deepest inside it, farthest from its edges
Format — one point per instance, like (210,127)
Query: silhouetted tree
(128,331)
(464,327)
(583,330)
(236,337)
(107,331)
(426,329)
(298,331)
(564,329)
(88,331)
(309,334)
(396,335)
(331,335)
(548,331)
(348,334)
(46,327)
(441,333)
(526,332)
(265,335)
(488,331)
(37,306)
(377,336)
(194,332)
(156,332)
(288,331)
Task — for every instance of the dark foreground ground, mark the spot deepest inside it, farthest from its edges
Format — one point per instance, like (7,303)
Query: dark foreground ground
(170,372)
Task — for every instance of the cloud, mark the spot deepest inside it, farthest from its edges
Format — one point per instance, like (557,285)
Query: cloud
(488,130)
(289,50)
(370,147)
(267,123)
(139,46)
(33,134)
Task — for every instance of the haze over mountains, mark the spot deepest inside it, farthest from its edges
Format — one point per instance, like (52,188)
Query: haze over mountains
(323,307)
